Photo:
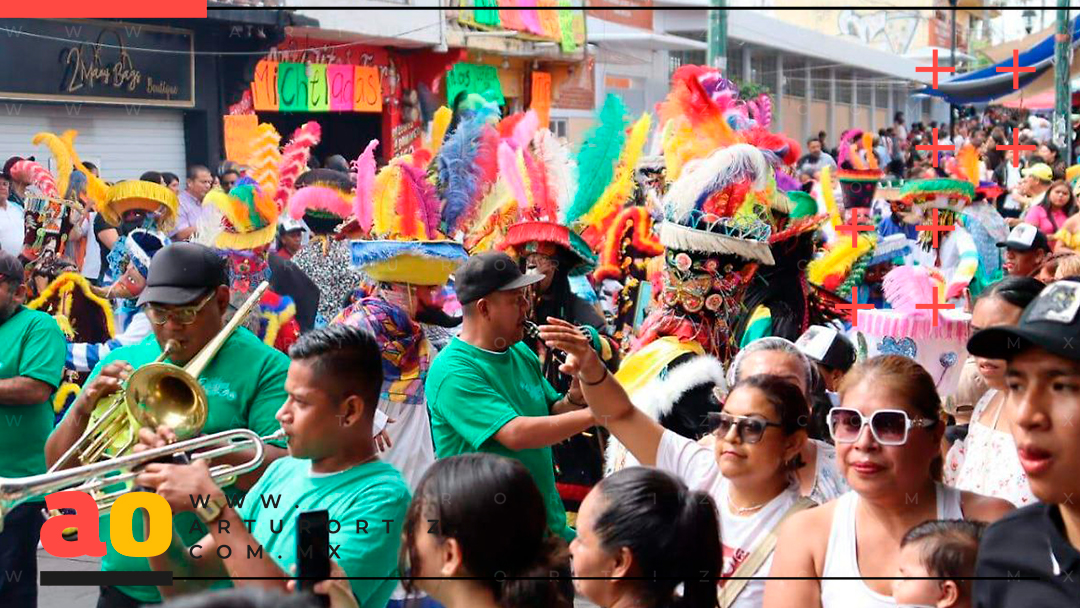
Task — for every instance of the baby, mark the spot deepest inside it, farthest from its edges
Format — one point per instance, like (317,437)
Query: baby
(944,549)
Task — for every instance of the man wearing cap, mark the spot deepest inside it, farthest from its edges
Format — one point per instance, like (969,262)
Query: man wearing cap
(31,367)
(1041,541)
(186,298)
(830,350)
(1025,249)
(486,391)
(12,229)
(1030,191)
(290,237)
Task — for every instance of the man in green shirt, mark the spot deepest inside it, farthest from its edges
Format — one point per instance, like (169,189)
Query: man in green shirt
(31,365)
(334,383)
(185,299)
(486,391)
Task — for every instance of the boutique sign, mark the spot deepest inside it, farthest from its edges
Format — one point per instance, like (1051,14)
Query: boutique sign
(94,61)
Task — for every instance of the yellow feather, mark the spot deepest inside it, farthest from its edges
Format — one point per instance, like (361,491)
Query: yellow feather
(838,260)
(969,162)
(622,186)
(96,188)
(829,196)
(62,157)
(385,196)
(868,145)
(439,123)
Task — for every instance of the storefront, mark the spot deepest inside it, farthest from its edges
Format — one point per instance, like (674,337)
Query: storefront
(117,84)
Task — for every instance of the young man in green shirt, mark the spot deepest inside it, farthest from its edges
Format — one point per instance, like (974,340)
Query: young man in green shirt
(185,299)
(486,391)
(31,366)
(334,383)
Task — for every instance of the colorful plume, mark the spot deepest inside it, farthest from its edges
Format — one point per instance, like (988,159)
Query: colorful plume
(294,159)
(439,124)
(365,184)
(597,157)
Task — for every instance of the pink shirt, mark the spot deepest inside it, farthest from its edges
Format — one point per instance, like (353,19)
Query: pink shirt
(1037,216)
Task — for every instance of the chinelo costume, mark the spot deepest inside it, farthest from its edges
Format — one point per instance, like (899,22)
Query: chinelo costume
(716,236)
(240,226)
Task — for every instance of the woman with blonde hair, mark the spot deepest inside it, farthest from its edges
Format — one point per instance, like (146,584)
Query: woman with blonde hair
(887,431)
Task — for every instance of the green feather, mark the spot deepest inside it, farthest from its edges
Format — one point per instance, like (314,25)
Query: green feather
(597,157)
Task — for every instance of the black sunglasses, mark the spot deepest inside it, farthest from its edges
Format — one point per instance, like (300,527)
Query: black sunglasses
(750,429)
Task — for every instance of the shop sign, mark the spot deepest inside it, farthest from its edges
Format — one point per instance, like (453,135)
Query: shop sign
(472,78)
(315,87)
(96,61)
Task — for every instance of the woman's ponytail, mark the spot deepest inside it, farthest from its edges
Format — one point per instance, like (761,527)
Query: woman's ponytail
(697,531)
(543,583)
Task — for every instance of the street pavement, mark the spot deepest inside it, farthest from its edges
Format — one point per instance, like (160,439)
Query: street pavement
(86,597)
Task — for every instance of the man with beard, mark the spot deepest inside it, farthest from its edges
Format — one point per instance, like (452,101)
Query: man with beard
(815,159)
(31,368)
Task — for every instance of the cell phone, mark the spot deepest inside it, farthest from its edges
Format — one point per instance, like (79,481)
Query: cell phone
(313,551)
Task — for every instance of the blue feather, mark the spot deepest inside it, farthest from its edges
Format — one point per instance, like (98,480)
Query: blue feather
(456,164)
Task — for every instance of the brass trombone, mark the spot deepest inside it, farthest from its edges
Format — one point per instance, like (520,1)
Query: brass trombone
(157,393)
(92,478)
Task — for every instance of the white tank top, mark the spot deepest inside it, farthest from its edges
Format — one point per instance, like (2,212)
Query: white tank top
(841,556)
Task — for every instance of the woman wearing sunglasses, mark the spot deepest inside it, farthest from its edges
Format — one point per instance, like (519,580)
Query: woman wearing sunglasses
(748,472)
(887,432)
(986,461)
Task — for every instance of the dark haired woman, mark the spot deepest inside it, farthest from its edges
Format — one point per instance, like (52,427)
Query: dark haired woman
(749,472)
(644,539)
(887,432)
(986,461)
(476,531)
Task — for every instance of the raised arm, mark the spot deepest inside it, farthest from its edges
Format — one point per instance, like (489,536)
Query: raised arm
(607,399)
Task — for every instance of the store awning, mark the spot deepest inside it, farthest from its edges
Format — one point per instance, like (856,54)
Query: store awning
(988,84)
(650,40)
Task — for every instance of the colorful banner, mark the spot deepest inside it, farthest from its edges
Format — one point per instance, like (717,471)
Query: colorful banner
(472,78)
(541,97)
(565,24)
(316,87)
(241,131)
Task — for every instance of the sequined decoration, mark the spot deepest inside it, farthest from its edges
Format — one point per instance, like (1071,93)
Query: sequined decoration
(332,272)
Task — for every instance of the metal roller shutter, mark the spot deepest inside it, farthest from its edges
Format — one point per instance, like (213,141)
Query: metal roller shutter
(122,141)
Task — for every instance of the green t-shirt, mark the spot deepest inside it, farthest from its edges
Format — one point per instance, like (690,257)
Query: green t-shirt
(473,392)
(245,386)
(368,494)
(33,347)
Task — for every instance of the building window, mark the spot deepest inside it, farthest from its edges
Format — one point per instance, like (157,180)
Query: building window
(843,85)
(882,93)
(558,127)
(819,81)
(794,76)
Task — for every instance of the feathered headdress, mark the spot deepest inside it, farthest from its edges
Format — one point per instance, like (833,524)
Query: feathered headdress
(858,178)
(294,158)
(323,198)
(536,176)
(249,216)
(467,169)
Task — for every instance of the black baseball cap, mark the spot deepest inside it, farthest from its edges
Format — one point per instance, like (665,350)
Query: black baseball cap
(1050,322)
(827,346)
(181,272)
(1025,237)
(488,272)
(10,266)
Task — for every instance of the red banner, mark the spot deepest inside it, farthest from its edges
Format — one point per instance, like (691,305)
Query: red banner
(105,9)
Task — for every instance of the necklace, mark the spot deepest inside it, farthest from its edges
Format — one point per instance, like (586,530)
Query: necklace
(743,510)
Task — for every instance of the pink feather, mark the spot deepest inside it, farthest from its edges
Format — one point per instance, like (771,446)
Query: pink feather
(906,286)
(365,183)
(543,202)
(294,158)
(508,168)
(318,197)
(427,199)
(524,130)
(29,171)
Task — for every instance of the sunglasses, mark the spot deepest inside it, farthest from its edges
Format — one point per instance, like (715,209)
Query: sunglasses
(750,429)
(889,427)
(183,316)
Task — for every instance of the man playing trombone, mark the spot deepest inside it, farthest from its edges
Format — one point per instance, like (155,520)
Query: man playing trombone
(334,383)
(186,299)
